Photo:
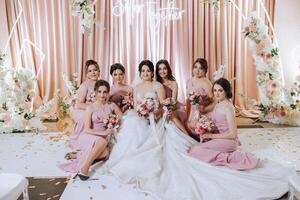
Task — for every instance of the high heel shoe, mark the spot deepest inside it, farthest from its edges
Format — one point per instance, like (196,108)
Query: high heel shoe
(82,176)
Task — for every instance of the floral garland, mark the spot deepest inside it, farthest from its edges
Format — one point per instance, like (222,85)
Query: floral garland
(85,8)
(278,105)
(16,101)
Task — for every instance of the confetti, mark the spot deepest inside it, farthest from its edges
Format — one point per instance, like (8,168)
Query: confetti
(57,183)
(55,196)
(43,194)
(103,187)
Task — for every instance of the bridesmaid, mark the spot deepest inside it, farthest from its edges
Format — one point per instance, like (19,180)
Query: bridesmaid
(84,98)
(119,89)
(93,142)
(222,148)
(199,83)
(164,75)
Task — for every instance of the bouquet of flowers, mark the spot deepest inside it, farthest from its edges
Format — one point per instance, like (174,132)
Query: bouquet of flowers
(196,98)
(205,125)
(127,102)
(111,121)
(169,104)
(148,106)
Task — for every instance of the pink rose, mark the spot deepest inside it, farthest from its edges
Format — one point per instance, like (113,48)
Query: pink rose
(201,130)
(7,119)
(167,101)
(144,111)
(112,120)
(25,122)
(273,88)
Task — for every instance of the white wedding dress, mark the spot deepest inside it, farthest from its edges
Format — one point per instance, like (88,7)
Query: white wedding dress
(154,156)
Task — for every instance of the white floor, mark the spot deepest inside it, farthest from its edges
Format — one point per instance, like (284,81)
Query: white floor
(33,155)
(37,155)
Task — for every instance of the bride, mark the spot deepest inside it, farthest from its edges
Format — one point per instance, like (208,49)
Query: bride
(137,154)
(155,156)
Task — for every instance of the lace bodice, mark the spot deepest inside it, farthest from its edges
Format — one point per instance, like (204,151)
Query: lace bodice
(151,93)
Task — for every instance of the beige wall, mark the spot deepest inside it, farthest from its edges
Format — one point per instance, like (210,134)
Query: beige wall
(287,27)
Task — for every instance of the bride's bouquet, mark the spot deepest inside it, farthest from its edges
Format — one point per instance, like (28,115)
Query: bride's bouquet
(127,102)
(196,98)
(111,121)
(148,106)
(205,125)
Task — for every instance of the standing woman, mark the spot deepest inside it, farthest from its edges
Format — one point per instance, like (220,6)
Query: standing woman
(222,148)
(121,93)
(198,84)
(164,75)
(92,143)
(84,98)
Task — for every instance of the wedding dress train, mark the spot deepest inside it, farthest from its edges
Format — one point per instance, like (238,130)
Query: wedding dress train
(154,156)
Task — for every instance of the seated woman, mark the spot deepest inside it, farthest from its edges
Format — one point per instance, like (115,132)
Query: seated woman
(121,94)
(199,84)
(222,148)
(84,98)
(93,143)
(164,76)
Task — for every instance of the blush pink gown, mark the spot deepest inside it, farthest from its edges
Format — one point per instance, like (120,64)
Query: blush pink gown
(194,112)
(78,116)
(223,151)
(86,141)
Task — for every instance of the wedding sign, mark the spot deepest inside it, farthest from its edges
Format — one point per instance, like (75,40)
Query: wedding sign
(157,16)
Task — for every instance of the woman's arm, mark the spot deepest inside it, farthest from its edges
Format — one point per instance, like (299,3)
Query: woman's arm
(174,90)
(81,95)
(232,133)
(117,110)
(160,92)
(210,107)
(88,123)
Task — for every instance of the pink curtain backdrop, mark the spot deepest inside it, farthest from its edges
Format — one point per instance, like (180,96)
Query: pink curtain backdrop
(128,40)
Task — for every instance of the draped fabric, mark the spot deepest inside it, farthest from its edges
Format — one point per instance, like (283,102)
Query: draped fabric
(130,38)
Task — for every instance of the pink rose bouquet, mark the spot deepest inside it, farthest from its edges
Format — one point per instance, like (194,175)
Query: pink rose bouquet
(148,106)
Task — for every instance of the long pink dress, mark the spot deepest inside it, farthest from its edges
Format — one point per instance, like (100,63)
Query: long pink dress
(194,112)
(78,116)
(223,151)
(179,106)
(117,95)
(86,141)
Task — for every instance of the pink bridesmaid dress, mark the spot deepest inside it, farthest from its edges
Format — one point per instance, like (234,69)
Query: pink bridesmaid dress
(179,106)
(86,141)
(117,94)
(223,151)
(78,116)
(194,112)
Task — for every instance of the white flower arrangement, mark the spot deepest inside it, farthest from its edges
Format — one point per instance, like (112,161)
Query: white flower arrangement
(278,104)
(85,8)
(16,101)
